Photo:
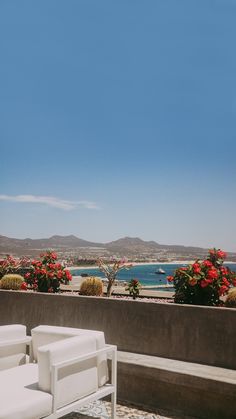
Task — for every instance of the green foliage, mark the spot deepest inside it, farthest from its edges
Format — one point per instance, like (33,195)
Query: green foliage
(11,282)
(203,282)
(92,286)
(47,274)
(134,288)
(10,265)
(231,298)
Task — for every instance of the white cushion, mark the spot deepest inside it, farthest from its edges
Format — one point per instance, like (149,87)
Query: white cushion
(12,361)
(12,332)
(20,397)
(43,335)
(74,381)
(12,356)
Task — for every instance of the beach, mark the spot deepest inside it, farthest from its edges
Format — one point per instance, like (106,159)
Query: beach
(174,262)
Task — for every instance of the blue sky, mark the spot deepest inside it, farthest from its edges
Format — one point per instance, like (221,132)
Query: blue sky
(119,119)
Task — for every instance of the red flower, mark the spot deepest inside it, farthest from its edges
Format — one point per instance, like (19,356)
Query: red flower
(207,263)
(59,274)
(225,282)
(196,268)
(68,275)
(193,282)
(220,254)
(43,272)
(27,275)
(223,289)
(224,270)
(170,278)
(23,286)
(205,282)
(212,274)
(135,281)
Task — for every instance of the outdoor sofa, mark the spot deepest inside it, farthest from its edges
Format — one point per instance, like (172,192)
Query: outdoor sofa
(67,369)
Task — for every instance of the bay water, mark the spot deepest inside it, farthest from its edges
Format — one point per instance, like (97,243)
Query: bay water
(146,274)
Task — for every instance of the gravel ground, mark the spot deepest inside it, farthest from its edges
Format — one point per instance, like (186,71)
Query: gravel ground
(145,300)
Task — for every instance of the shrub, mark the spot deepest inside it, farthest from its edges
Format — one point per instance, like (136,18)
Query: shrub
(133,288)
(91,286)
(10,265)
(111,270)
(11,282)
(46,274)
(203,282)
(231,298)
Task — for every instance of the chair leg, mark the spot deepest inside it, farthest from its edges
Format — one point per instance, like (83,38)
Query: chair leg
(113,405)
(114,382)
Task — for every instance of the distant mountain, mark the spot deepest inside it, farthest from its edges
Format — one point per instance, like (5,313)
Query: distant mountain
(33,246)
(138,245)
(133,247)
(134,243)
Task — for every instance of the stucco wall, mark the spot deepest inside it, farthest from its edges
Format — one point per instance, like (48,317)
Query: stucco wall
(189,333)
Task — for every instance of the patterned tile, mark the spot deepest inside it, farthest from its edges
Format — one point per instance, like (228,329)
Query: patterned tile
(102,410)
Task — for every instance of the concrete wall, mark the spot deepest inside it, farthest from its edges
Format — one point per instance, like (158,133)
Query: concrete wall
(184,395)
(189,333)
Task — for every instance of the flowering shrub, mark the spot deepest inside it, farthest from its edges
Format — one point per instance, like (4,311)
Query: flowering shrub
(111,270)
(46,274)
(133,288)
(203,282)
(10,265)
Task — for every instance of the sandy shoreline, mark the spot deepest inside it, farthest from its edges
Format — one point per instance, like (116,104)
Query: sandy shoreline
(175,262)
(184,262)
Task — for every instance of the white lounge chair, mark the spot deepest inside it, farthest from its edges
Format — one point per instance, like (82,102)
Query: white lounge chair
(13,346)
(43,335)
(68,375)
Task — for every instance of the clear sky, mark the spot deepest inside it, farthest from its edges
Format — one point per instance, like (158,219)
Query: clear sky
(118,118)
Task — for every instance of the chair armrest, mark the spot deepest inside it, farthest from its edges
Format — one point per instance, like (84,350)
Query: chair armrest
(109,350)
(27,340)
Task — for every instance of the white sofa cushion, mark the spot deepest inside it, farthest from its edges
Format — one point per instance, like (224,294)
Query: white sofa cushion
(43,335)
(20,397)
(12,356)
(12,332)
(74,381)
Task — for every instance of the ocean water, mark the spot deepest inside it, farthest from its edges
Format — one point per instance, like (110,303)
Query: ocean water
(144,273)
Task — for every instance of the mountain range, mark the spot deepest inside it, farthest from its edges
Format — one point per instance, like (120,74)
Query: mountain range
(126,246)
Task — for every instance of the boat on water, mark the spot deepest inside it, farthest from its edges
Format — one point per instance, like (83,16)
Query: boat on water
(160,271)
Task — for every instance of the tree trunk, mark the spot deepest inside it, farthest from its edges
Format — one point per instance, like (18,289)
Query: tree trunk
(109,287)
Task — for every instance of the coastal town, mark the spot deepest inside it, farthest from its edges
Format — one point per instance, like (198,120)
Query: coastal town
(75,251)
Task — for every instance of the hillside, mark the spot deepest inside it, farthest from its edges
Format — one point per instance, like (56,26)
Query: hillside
(71,245)
(34,246)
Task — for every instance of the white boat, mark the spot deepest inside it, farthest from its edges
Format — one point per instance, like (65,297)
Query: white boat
(160,271)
